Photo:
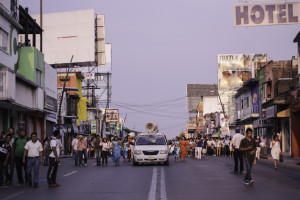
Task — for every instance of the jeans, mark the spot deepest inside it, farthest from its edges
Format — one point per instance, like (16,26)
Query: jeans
(76,157)
(9,170)
(226,150)
(98,156)
(52,171)
(82,153)
(19,166)
(33,162)
(238,156)
(104,155)
(2,172)
(248,165)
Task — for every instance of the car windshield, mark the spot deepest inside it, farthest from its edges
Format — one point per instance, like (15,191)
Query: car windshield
(151,140)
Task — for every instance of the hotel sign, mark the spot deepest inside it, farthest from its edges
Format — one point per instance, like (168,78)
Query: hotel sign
(266,14)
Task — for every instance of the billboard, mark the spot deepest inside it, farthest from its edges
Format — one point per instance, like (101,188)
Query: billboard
(69,33)
(262,14)
(235,69)
(112,115)
(93,126)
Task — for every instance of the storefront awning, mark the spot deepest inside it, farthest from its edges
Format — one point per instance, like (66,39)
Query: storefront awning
(284,113)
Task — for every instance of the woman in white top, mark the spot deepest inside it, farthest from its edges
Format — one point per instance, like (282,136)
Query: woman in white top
(105,148)
(276,151)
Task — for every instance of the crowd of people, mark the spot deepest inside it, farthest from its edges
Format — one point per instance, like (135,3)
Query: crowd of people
(26,154)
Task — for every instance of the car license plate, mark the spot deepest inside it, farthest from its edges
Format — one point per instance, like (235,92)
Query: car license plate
(151,158)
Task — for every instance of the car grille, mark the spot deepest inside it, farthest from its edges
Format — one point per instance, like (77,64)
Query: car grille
(150,152)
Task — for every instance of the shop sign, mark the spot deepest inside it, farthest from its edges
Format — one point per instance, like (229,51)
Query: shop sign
(271,112)
(50,103)
(51,117)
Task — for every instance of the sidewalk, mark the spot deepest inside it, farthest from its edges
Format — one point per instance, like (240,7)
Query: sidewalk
(287,159)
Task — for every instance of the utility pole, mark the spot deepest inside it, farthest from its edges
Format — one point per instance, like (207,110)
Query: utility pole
(41,14)
(62,96)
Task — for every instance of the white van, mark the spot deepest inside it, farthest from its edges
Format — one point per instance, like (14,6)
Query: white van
(151,148)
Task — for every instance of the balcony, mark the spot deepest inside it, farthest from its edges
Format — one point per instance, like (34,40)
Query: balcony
(7,85)
(250,112)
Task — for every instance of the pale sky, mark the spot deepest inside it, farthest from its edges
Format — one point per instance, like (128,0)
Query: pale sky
(159,46)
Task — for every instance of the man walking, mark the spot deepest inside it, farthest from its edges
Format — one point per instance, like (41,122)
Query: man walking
(238,155)
(198,148)
(75,149)
(9,170)
(53,160)
(248,148)
(18,147)
(97,149)
(5,150)
(34,158)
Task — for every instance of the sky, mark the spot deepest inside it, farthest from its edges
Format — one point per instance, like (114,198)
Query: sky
(160,46)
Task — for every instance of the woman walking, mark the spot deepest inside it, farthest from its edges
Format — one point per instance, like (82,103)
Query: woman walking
(82,146)
(183,148)
(116,154)
(176,148)
(276,151)
(104,153)
(125,146)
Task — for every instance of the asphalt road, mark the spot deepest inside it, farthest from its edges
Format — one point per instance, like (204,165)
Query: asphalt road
(209,178)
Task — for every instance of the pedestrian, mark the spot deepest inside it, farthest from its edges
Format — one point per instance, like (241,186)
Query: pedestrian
(183,148)
(47,150)
(177,148)
(238,155)
(263,147)
(130,140)
(275,150)
(125,146)
(82,146)
(5,151)
(219,146)
(190,147)
(198,148)
(89,148)
(9,170)
(215,146)
(54,160)
(248,147)
(97,149)
(74,151)
(226,144)
(105,148)
(231,149)
(34,158)
(210,146)
(18,148)
(116,151)
(257,142)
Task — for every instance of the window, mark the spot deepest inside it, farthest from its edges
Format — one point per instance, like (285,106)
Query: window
(151,140)
(38,75)
(3,40)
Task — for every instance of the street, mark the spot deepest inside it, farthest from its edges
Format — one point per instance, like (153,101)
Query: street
(209,178)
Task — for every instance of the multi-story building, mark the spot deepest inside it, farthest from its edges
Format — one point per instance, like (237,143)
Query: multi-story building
(276,83)
(247,105)
(22,71)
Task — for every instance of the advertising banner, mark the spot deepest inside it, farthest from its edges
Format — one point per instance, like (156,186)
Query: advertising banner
(235,69)
(262,14)
(112,115)
(63,104)
(93,126)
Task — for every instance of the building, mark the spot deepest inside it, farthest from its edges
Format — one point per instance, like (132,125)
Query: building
(276,82)
(295,108)
(195,95)
(247,105)
(22,72)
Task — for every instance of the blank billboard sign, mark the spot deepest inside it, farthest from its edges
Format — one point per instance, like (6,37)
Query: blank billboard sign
(69,33)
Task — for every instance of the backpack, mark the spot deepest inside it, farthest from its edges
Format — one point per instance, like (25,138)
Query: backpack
(47,149)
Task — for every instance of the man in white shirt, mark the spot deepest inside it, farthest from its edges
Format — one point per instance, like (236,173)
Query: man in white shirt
(75,149)
(238,155)
(210,146)
(34,158)
(53,160)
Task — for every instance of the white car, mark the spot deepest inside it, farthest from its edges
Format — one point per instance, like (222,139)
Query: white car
(150,148)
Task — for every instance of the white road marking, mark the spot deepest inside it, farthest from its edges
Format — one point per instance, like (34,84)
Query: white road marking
(73,172)
(163,192)
(14,195)
(152,193)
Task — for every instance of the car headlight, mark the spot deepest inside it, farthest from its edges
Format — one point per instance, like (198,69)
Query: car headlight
(137,152)
(163,151)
